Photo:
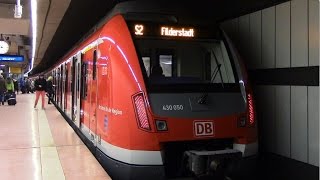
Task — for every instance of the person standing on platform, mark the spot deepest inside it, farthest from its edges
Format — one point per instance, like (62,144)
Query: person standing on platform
(28,83)
(50,89)
(40,86)
(10,85)
(32,86)
(22,86)
(16,85)
(3,89)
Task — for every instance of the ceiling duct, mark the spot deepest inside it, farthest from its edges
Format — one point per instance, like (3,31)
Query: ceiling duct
(18,10)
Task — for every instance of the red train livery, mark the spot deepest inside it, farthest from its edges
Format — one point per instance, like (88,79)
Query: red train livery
(154,98)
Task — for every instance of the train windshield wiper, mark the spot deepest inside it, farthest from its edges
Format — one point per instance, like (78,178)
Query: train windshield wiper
(203,97)
(218,65)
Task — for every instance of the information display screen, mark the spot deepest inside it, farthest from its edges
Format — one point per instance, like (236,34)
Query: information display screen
(147,29)
(11,58)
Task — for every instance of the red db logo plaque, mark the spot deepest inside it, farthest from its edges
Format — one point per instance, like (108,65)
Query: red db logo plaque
(203,128)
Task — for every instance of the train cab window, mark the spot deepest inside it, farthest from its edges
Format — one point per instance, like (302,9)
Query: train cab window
(146,63)
(194,64)
(166,64)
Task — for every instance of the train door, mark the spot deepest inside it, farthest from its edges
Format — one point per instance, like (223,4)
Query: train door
(53,82)
(76,79)
(65,90)
(57,92)
(60,86)
(84,108)
(93,100)
(69,83)
(63,80)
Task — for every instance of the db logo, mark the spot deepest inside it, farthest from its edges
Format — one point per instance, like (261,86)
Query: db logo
(203,128)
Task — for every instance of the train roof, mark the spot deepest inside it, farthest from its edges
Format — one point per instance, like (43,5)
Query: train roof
(165,11)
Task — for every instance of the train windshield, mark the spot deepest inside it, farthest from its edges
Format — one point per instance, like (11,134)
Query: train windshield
(185,64)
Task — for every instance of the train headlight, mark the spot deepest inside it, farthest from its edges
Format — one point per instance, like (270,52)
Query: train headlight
(161,125)
(242,121)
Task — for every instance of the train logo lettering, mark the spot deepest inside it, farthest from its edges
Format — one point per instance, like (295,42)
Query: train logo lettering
(203,128)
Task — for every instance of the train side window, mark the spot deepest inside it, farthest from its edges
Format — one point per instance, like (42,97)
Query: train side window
(94,71)
(84,84)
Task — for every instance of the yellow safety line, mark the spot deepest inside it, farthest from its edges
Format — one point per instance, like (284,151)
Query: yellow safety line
(50,162)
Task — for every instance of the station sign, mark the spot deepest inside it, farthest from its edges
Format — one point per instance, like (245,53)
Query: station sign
(11,58)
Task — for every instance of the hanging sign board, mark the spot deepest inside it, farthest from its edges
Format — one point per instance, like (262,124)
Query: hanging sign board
(11,58)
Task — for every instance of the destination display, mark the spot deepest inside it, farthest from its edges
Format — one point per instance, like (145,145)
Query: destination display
(177,32)
(172,31)
(11,58)
(163,30)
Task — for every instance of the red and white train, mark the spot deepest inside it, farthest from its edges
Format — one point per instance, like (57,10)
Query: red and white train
(155,98)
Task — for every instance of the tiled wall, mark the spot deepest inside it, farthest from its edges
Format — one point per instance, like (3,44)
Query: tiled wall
(283,36)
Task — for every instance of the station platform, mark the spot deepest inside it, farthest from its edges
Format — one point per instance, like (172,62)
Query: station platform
(39,144)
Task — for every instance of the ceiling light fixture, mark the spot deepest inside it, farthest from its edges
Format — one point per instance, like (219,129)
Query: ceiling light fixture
(18,10)
(34,32)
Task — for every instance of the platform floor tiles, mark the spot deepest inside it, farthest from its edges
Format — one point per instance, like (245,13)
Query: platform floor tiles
(39,144)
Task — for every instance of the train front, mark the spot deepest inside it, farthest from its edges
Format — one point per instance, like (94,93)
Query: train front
(197,98)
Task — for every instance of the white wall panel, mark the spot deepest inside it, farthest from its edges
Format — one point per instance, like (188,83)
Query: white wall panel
(313,125)
(313,33)
(259,93)
(283,35)
(268,38)
(282,120)
(299,33)
(299,123)
(255,39)
(269,117)
(244,36)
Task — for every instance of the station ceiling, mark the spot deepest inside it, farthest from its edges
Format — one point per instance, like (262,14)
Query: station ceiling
(62,23)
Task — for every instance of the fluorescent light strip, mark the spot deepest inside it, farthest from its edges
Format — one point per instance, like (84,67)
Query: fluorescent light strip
(34,31)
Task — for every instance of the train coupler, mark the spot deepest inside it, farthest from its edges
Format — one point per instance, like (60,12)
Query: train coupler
(211,162)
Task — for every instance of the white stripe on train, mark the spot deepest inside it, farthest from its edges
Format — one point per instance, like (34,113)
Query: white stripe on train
(140,157)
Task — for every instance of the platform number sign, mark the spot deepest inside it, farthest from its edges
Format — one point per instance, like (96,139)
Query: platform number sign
(203,128)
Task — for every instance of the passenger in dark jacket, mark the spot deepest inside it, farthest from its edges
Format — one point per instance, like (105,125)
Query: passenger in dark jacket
(16,85)
(3,89)
(40,86)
